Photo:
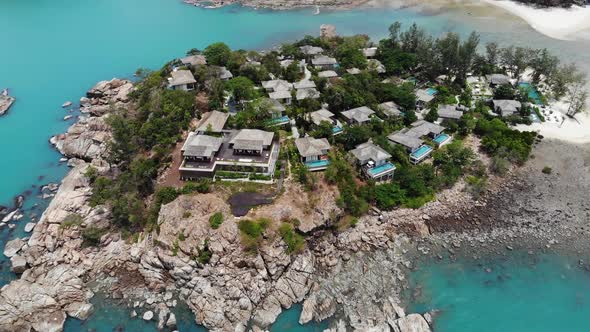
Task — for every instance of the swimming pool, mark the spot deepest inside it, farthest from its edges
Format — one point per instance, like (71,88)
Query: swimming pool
(381,169)
(431,91)
(534,95)
(441,139)
(336,130)
(317,164)
(279,121)
(422,151)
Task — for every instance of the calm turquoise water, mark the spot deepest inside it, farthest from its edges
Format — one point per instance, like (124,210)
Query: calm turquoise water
(53,51)
(521,293)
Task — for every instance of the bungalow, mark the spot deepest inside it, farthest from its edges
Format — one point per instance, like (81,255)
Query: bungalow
(358,115)
(369,52)
(214,123)
(323,115)
(353,71)
(244,151)
(411,139)
(498,79)
(377,66)
(324,62)
(182,80)
(327,74)
(278,114)
(224,74)
(373,161)
(194,60)
(304,84)
(200,147)
(277,85)
(390,109)
(424,96)
(310,93)
(313,152)
(311,50)
(300,64)
(506,107)
(449,112)
(283,96)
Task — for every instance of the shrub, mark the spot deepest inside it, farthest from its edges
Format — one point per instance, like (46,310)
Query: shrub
(202,187)
(216,220)
(476,185)
(204,254)
(295,241)
(91,236)
(71,221)
(252,232)
(499,165)
(547,170)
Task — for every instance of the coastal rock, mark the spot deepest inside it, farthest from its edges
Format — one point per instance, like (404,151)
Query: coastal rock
(5,103)
(37,301)
(87,139)
(171,322)
(328,31)
(13,246)
(29,227)
(19,264)
(66,104)
(412,323)
(79,310)
(148,315)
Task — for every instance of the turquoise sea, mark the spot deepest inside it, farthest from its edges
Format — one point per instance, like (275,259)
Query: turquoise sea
(53,51)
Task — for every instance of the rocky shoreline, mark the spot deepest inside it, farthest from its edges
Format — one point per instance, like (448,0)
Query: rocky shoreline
(239,291)
(279,5)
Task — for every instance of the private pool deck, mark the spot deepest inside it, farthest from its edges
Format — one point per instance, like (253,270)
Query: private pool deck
(420,154)
(431,91)
(384,171)
(283,120)
(442,139)
(317,165)
(336,130)
(534,95)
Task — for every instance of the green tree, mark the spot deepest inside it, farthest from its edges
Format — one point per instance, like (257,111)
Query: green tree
(217,54)
(241,88)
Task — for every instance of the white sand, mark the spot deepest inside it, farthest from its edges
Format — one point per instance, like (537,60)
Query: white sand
(571,130)
(558,23)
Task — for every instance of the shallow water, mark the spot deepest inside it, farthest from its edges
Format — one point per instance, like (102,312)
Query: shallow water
(53,51)
(521,293)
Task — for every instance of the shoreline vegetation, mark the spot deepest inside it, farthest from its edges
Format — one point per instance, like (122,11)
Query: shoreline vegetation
(122,216)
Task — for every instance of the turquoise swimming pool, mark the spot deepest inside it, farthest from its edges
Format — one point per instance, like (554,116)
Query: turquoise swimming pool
(421,152)
(317,163)
(431,91)
(279,121)
(381,169)
(534,95)
(440,139)
(336,130)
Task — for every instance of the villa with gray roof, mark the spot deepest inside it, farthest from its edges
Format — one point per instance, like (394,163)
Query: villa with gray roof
(310,93)
(424,96)
(390,108)
(214,122)
(313,152)
(311,50)
(506,107)
(225,74)
(277,85)
(194,60)
(243,151)
(373,161)
(449,112)
(182,80)
(327,74)
(324,62)
(498,79)
(323,115)
(283,96)
(304,84)
(411,139)
(358,115)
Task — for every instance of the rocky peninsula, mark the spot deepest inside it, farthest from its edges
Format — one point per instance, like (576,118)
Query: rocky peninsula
(6,102)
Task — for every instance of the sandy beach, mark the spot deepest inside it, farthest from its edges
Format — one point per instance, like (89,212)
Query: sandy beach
(558,23)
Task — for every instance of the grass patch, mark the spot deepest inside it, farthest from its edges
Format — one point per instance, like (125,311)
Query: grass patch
(216,220)
(71,221)
(252,232)
(295,241)
(547,170)
(91,236)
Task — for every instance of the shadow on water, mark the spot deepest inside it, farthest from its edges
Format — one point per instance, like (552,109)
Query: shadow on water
(242,202)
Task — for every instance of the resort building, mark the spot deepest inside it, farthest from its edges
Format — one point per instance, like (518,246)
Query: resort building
(358,115)
(353,71)
(194,60)
(282,96)
(304,84)
(182,80)
(313,152)
(324,62)
(498,79)
(277,85)
(411,139)
(224,74)
(323,115)
(373,161)
(287,62)
(327,74)
(390,109)
(506,107)
(310,93)
(311,50)
(369,52)
(242,151)
(449,112)
(278,114)
(424,96)
(214,123)
(479,88)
